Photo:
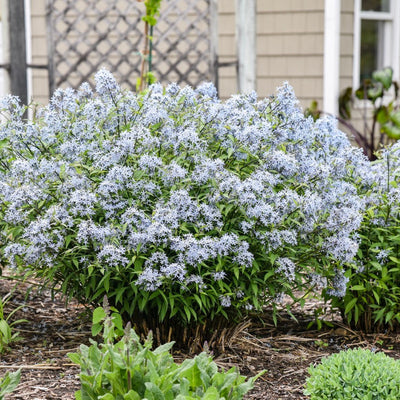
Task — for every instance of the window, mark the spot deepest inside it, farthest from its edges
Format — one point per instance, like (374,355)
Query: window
(376,37)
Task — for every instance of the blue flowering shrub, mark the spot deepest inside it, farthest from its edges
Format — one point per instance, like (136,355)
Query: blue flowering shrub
(372,301)
(179,207)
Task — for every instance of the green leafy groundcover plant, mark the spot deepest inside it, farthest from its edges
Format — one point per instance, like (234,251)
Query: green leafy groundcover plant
(186,211)
(123,368)
(355,374)
(9,382)
(372,301)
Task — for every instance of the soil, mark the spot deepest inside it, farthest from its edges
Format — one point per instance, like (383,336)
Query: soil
(285,352)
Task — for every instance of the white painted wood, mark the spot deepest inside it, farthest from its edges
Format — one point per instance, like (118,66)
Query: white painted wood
(396,40)
(331,55)
(356,44)
(246,44)
(5,49)
(28,41)
(214,41)
(390,45)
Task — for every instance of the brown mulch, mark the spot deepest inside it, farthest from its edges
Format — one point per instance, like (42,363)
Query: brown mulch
(286,351)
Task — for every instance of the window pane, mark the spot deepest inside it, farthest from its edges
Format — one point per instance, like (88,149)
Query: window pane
(376,5)
(372,47)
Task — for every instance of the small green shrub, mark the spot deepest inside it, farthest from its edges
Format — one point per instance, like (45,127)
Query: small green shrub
(355,374)
(123,368)
(9,382)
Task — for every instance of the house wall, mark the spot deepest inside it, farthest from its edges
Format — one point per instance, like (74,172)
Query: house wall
(40,86)
(40,82)
(290,42)
(227,52)
(290,47)
(346,44)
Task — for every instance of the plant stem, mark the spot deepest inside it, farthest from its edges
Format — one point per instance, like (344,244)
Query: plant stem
(144,54)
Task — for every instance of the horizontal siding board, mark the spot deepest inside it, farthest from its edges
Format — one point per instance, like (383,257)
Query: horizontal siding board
(289,6)
(289,45)
(295,23)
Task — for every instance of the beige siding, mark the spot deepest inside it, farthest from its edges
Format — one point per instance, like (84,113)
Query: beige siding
(346,44)
(40,84)
(227,51)
(290,47)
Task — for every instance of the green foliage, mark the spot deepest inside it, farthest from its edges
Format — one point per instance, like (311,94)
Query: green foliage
(381,93)
(186,211)
(7,334)
(123,368)
(148,77)
(150,20)
(355,374)
(313,111)
(372,300)
(9,383)
(152,11)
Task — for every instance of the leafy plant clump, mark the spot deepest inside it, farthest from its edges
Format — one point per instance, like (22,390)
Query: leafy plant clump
(8,335)
(123,368)
(9,382)
(372,301)
(186,211)
(355,374)
(377,111)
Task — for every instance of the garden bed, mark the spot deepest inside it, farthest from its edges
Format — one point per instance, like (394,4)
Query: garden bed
(285,351)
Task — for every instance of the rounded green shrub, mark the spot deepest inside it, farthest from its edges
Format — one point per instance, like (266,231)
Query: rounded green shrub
(355,374)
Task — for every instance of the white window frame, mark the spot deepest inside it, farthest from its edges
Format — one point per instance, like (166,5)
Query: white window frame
(391,47)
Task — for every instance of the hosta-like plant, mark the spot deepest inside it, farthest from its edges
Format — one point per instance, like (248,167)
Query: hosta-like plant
(124,368)
(176,205)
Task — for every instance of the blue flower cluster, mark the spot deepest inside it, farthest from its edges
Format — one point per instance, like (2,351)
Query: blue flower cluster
(176,194)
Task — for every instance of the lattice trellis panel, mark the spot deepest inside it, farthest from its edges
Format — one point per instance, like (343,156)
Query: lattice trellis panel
(85,35)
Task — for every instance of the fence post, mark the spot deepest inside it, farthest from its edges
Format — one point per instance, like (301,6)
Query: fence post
(16,23)
(246,44)
(214,42)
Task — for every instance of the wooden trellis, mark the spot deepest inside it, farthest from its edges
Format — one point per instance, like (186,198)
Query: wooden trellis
(85,35)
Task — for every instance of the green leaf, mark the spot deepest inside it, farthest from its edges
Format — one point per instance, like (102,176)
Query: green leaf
(107,396)
(384,76)
(395,118)
(391,130)
(382,115)
(74,357)
(117,321)
(357,287)
(98,315)
(5,331)
(375,91)
(389,316)
(4,143)
(211,394)
(9,382)
(153,392)
(350,305)
(78,395)
(132,395)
